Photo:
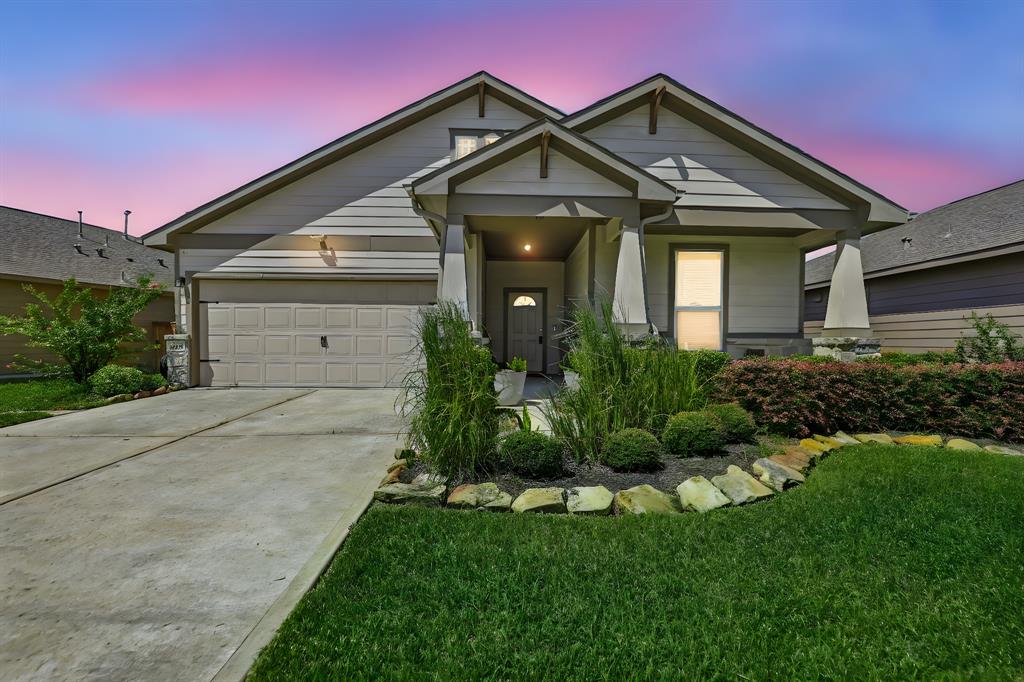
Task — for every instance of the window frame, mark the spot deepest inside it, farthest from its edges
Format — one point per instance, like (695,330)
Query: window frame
(478,133)
(723,308)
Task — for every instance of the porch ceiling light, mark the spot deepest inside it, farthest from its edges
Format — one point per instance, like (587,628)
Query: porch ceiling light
(527,247)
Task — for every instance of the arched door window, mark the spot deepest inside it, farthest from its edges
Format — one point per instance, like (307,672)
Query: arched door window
(524,301)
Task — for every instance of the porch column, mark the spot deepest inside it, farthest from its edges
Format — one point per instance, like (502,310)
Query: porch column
(452,284)
(847,331)
(630,303)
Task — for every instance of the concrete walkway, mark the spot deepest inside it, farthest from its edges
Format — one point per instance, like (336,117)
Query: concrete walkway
(152,539)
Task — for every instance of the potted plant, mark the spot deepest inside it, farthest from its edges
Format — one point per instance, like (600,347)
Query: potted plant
(570,375)
(510,383)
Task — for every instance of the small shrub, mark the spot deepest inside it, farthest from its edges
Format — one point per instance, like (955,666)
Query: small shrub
(517,364)
(693,433)
(151,382)
(532,454)
(737,424)
(632,450)
(907,359)
(992,342)
(116,379)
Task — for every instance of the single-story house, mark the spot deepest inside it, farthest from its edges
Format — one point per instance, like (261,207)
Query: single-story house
(44,251)
(693,220)
(923,279)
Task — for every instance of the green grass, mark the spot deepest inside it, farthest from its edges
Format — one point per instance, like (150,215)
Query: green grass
(12,418)
(46,394)
(889,563)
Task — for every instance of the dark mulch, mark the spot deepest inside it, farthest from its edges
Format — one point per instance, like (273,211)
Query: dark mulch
(676,470)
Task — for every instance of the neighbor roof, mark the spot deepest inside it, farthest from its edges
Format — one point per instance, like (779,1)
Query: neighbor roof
(37,246)
(349,143)
(973,225)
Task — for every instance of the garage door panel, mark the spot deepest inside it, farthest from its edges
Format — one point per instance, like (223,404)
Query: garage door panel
(368,332)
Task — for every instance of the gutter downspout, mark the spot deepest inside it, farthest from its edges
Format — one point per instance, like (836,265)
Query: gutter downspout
(432,218)
(644,222)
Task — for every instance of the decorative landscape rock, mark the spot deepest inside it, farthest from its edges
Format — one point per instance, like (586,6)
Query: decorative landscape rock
(811,444)
(829,440)
(883,438)
(161,390)
(961,444)
(119,398)
(644,499)
(845,438)
(430,480)
(1002,450)
(793,459)
(393,475)
(700,495)
(740,487)
(408,493)
(404,453)
(540,500)
(915,439)
(398,463)
(591,500)
(777,475)
(480,496)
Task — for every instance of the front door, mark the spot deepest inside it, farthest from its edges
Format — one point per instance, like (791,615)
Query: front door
(526,328)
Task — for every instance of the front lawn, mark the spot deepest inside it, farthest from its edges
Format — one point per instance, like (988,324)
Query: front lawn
(46,394)
(889,563)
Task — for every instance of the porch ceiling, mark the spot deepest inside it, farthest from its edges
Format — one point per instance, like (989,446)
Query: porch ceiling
(505,236)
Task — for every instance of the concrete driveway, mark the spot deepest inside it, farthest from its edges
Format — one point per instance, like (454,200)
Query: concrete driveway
(164,538)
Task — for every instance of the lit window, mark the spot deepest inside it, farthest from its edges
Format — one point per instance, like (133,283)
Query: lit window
(465,144)
(524,302)
(698,299)
(491,138)
(468,141)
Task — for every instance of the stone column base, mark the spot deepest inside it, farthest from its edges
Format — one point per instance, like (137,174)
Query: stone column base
(846,348)
(179,365)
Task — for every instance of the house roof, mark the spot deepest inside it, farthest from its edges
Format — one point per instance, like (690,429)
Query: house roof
(357,139)
(646,186)
(37,246)
(717,118)
(975,226)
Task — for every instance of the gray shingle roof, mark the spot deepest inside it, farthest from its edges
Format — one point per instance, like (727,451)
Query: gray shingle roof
(984,221)
(42,246)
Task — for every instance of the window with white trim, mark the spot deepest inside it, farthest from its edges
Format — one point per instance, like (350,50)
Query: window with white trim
(698,308)
(468,141)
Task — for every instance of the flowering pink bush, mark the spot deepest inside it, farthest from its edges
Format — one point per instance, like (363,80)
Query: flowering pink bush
(799,397)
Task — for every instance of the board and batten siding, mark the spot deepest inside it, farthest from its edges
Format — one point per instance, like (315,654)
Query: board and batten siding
(354,200)
(711,171)
(763,288)
(521,176)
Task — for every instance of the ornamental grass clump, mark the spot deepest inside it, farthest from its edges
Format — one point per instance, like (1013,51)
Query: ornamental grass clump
(693,434)
(450,399)
(624,384)
(632,450)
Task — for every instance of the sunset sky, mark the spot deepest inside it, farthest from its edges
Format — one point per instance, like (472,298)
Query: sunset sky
(158,107)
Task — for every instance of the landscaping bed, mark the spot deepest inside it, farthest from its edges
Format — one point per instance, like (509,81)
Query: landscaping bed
(889,563)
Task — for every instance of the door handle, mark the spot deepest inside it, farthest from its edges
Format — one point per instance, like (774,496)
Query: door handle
(540,339)
(323,342)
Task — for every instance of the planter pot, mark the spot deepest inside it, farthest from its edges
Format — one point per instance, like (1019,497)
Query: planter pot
(572,379)
(509,386)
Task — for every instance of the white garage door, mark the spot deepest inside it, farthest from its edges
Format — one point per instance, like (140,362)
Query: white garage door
(307,344)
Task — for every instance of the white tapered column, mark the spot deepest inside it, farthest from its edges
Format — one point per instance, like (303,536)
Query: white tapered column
(630,304)
(847,311)
(452,284)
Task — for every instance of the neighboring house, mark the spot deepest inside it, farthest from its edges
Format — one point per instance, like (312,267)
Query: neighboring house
(44,251)
(924,278)
(694,220)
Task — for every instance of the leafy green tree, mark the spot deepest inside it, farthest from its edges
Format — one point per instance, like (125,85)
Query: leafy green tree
(992,342)
(84,330)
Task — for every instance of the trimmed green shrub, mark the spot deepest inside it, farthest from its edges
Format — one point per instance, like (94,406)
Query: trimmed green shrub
(693,433)
(737,424)
(632,450)
(450,398)
(532,454)
(151,382)
(800,398)
(906,359)
(116,379)
(517,364)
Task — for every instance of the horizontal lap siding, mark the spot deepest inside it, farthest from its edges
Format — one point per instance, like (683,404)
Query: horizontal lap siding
(711,171)
(359,196)
(521,176)
(933,330)
(763,286)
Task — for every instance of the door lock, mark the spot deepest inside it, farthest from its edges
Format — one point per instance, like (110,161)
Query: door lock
(540,340)
(323,342)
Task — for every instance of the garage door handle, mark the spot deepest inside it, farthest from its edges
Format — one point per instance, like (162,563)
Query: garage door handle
(323,342)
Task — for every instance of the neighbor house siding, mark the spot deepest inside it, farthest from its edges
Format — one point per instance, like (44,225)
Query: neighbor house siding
(358,203)
(154,319)
(763,287)
(711,171)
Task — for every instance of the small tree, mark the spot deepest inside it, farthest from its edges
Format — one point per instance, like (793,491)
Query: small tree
(992,342)
(84,330)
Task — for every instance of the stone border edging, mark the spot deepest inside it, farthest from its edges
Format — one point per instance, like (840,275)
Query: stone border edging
(774,474)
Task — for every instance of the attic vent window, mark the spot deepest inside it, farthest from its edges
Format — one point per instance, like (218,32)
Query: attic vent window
(468,141)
